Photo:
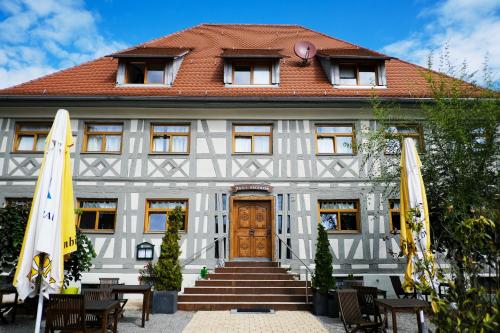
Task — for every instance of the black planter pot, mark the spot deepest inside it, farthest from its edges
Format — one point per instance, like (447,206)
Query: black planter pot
(333,304)
(164,301)
(320,304)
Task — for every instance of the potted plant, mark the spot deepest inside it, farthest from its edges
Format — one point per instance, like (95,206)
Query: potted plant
(323,280)
(147,275)
(168,275)
(78,262)
(352,281)
(333,301)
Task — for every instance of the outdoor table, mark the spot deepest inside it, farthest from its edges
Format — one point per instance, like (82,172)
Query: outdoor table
(402,305)
(143,289)
(7,289)
(103,308)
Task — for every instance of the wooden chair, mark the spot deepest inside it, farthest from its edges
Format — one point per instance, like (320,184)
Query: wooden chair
(98,295)
(398,288)
(351,313)
(9,306)
(366,300)
(65,313)
(108,283)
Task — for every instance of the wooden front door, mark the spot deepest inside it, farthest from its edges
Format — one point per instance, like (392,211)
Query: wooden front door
(252,234)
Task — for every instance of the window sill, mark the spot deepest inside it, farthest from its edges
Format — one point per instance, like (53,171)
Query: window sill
(344,232)
(229,85)
(333,155)
(144,85)
(162,232)
(359,87)
(100,153)
(103,232)
(27,152)
(169,154)
(252,154)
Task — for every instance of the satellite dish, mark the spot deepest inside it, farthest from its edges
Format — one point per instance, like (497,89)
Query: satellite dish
(305,50)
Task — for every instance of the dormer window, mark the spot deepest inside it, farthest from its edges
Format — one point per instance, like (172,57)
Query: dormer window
(354,68)
(148,66)
(358,74)
(246,73)
(145,73)
(251,67)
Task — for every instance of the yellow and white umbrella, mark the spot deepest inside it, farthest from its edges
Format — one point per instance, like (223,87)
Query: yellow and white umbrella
(415,233)
(50,233)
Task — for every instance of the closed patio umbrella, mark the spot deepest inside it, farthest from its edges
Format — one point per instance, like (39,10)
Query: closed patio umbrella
(50,232)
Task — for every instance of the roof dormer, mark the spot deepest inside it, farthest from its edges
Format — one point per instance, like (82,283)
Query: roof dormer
(251,67)
(354,68)
(149,66)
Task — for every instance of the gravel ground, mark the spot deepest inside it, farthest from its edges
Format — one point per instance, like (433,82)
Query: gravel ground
(176,323)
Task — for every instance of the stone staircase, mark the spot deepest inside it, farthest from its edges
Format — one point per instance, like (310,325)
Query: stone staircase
(247,285)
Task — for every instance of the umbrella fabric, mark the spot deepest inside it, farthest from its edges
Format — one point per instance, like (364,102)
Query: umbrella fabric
(415,232)
(51,224)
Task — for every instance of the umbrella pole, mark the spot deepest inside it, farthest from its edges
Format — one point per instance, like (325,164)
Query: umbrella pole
(40,295)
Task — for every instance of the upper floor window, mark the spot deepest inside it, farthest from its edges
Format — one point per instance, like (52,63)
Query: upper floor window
(251,73)
(394,216)
(167,138)
(103,138)
(358,74)
(339,215)
(252,139)
(145,73)
(157,214)
(335,139)
(396,135)
(30,137)
(97,215)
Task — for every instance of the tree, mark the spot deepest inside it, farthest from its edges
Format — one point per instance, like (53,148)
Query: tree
(80,260)
(13,220)
(323,279)
(460,171)
(168,269)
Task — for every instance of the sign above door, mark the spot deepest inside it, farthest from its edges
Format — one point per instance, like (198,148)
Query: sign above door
(251,187)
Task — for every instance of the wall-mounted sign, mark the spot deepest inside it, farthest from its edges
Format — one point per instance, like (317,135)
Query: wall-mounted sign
(251,187)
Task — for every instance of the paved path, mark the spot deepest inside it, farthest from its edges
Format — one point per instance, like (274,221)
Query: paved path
(281,321)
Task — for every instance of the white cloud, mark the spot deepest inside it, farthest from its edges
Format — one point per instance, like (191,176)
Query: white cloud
(40,37)
(470,29)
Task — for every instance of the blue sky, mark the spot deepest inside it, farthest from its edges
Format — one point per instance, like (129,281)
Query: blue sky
(41,36)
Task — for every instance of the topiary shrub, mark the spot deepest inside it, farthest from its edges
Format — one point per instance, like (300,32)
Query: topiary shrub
(323,279)
(168,269)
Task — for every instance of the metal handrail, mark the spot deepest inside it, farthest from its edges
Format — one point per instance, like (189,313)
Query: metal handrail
(308,270)
(193,257)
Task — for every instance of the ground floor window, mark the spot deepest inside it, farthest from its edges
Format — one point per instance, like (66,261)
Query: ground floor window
(157,211)
(97,215)
(394,216)
(10,202)
(339,215)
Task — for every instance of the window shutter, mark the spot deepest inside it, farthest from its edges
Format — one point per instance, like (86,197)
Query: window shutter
(228,72)
(335,74)
(275,74)
(382,81)
(120,74)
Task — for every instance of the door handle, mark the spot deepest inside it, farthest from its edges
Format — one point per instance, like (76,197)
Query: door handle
(251,231)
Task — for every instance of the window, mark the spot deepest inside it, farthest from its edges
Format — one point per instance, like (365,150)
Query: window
(100,138)
(18,201)
(145,73)
(252,73)
(157,211)
(396,135)
(339,215)
(334,139)
(252,139)
(358,75)
(97,215)
(31,137)
(169,138)
(394,216)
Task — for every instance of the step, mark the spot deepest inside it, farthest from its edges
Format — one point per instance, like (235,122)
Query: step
(240,298)
(269,270)
(207,306)
(251,283)
(251,264)
(248,290)
(249,276)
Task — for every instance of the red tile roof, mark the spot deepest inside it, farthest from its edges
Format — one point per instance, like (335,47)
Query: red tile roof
(201,72)
(143,51)
(251,53)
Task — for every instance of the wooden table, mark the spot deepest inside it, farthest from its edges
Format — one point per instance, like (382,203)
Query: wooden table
(103,309)
(7,289)
(402,305)
(143,289)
